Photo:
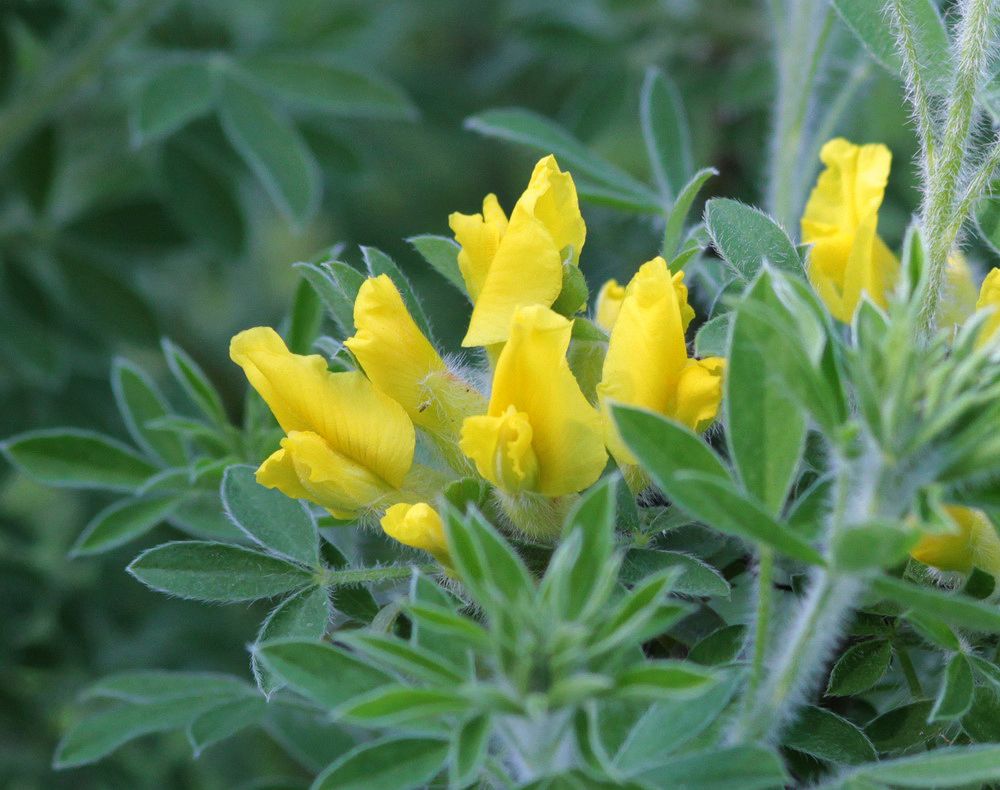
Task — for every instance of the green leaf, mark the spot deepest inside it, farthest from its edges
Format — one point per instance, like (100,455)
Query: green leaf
(315,83)
(903,727)
(667,725)
(666,132)
(380,263)
(987,215)
(956,610)
(401,656)
(306,319)
(395,704)
(982,721)
(218,572)
(695,578)
(766,430)
(955,695)
(140,402)
(302,616)
(176,95)
(934,630)
(547,137)
(593,519)
(325,674)
(859,668)
(719,647)
(277,523)
(826,736)
(712,338)
(121,522)
(391,764)
(954,766)
(73,458)
(194,382)
(873,27)
(468,750)
(732,768)
(665,448)
(988,670)
(99,734)
(659,678)
(224,721)
(746,237)
(674,232)
(442,255)
(337,284)
(144,686)
(872,544)
(273,149)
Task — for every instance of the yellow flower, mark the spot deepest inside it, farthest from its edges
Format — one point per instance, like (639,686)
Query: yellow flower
(507,265)
(402,363)
(539,433)
(840,222)
(608,304)
(974,544)
(989,296)
(647,364)
(347,446)
(418,526)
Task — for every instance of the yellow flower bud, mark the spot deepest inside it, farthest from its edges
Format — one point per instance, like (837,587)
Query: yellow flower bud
(609,304)
(840,222)
(418,526)
(974,544)
(989,296)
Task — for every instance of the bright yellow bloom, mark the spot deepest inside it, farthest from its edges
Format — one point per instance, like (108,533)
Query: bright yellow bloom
(989,296)
(975,544)
(348,445)
(647,364)
(608,304)
(507,265)
(418,526)
(840,222)
(402,363)
(539,433)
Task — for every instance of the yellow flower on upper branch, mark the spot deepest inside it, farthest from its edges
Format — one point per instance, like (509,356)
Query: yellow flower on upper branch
(348,446)
(848,257)
(974,544)
(404,365)
(647,364)
(989,296)
(516,263)
(418,526)
(539,433)
(608,304)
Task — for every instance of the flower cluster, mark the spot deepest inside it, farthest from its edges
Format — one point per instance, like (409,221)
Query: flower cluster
(534,434)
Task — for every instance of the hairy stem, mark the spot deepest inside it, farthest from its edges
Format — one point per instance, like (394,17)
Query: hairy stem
(35,104)
(762,623)
(919,94)
(940,217)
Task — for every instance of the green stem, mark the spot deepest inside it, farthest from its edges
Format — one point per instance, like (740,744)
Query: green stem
(800,53)
(37,103)
(918,90)
(909,671)
(762,624)
(941,222)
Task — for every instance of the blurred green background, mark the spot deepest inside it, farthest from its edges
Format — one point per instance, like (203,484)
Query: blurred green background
(137,201)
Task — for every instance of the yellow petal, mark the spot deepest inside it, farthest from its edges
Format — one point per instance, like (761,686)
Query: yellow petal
(989,296)
(391,348)
(608,304)
(345,410)
(501,448)
(841,221)
(974,543)
(418,526)
(527,266)
(699,392)
(327,477)
(646,351)
(533,385)
(958,301)
(479,237)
